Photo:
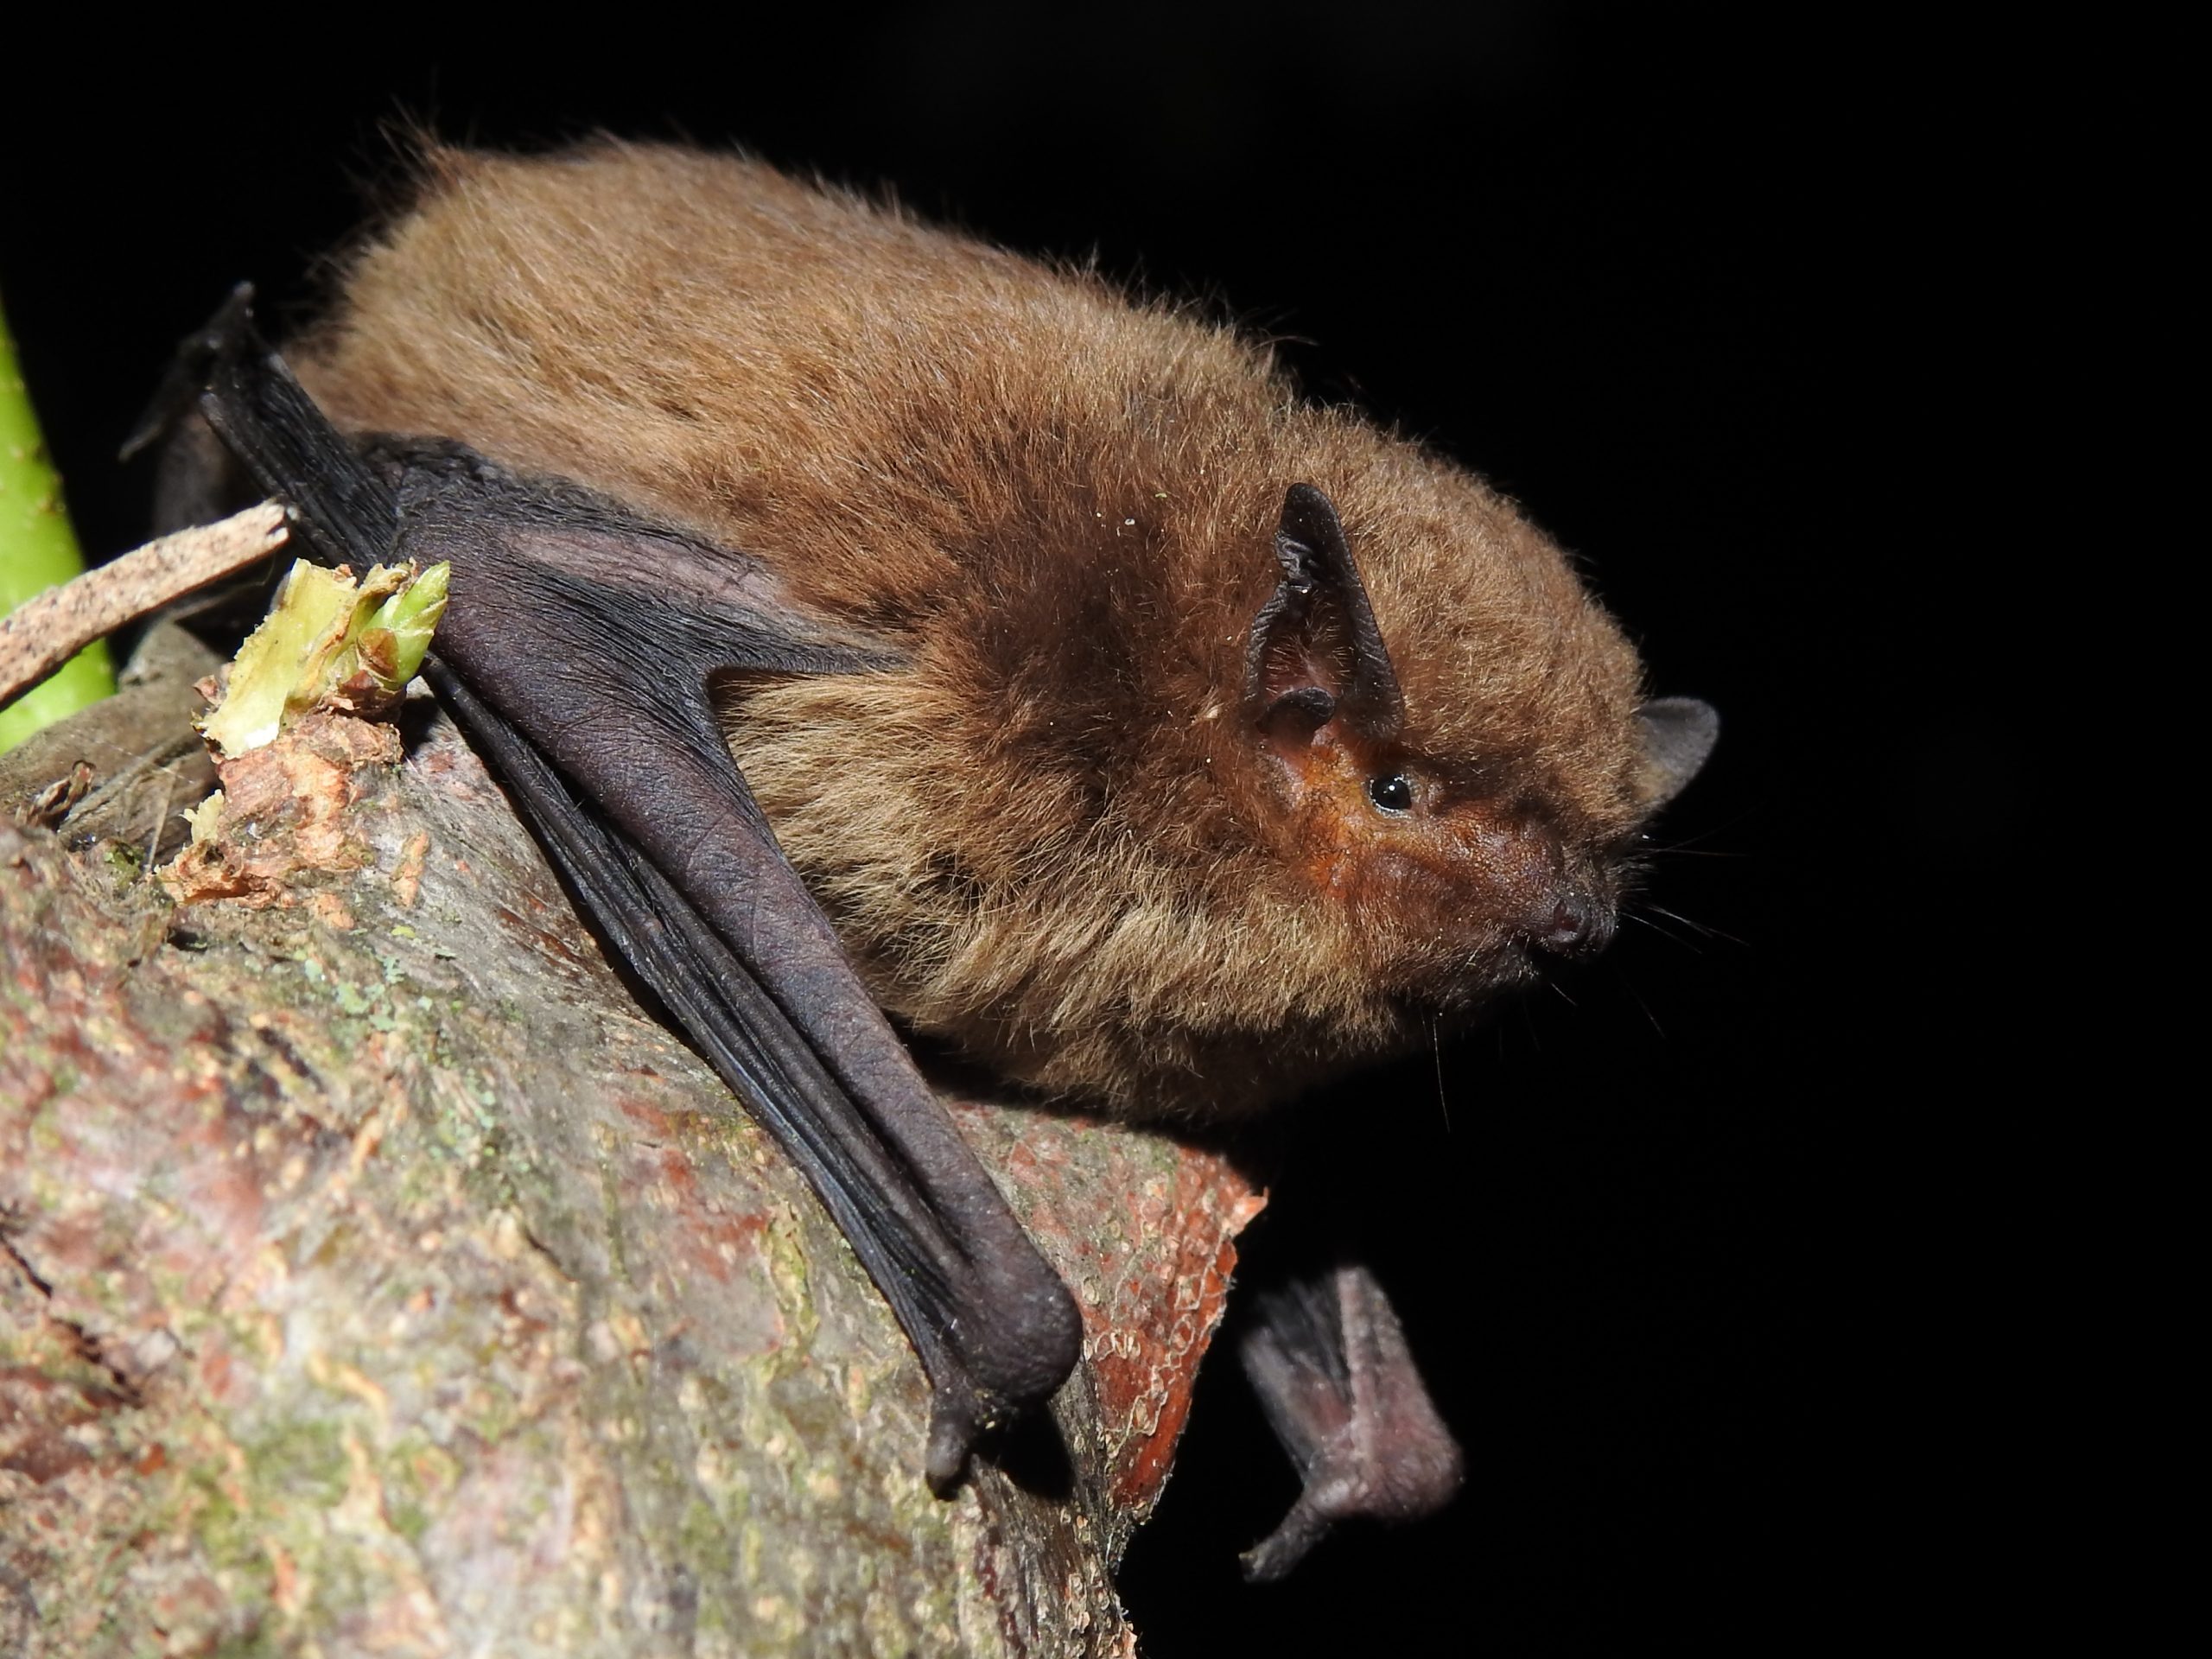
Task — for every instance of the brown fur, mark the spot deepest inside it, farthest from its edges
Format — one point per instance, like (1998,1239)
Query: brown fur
(1054,836)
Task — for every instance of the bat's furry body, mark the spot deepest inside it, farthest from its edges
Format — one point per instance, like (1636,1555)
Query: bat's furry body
(1054,835)
(1151,736)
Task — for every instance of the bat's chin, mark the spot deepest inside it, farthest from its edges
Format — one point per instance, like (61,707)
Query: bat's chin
(1468,989)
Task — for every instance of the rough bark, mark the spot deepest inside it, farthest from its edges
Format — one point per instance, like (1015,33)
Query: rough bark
(380,1278)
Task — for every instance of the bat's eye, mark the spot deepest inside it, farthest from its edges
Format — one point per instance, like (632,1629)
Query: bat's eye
(1391,792)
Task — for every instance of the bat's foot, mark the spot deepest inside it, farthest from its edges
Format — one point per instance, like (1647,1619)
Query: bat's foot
(1330,1363)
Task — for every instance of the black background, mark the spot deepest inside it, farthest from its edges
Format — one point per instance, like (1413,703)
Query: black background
(1661,1240)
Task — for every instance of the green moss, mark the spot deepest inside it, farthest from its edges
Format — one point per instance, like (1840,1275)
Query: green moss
(261,1644)
(303,1458)
(420,1476)
(701,1530)
(784,1252)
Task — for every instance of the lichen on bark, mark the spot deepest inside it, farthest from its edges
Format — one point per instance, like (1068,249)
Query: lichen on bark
(380,1277)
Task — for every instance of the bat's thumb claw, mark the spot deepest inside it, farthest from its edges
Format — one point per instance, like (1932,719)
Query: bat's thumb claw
(953,1429)
(231,329)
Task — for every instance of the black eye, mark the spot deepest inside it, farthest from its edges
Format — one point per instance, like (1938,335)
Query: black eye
(1392,793)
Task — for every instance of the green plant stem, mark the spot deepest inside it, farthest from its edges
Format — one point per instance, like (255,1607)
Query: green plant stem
(38,551)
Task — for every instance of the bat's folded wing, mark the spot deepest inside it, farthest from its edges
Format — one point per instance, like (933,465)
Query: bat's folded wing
(578,651)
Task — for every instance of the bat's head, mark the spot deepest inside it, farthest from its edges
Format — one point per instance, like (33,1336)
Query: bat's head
(1251,791)
(1261,780)
(1463,789)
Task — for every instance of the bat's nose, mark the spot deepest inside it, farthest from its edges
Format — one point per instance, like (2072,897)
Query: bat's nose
(1578,924)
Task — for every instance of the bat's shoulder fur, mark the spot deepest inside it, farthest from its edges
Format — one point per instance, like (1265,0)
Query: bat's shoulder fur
(1050,837)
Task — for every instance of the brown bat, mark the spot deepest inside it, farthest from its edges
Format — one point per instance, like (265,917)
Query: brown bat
(1154,738)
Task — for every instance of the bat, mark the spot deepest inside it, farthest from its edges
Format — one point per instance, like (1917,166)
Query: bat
(871,622)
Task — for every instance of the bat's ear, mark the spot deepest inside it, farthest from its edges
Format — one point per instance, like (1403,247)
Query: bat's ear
(1678,733)
(1315,653)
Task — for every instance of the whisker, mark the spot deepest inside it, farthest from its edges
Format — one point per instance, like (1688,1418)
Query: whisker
(1699,928)
(1708,834)
(1636,996)
(1436,1049)
(1666,934)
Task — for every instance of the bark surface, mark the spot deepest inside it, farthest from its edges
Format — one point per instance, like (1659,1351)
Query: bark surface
(380,1278)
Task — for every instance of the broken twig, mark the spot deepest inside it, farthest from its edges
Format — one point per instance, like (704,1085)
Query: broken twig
(46,631)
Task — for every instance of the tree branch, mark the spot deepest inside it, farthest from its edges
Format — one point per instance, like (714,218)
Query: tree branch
(379,1275)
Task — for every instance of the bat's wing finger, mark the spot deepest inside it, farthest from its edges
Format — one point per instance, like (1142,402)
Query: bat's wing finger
(990,1320)
(590,690)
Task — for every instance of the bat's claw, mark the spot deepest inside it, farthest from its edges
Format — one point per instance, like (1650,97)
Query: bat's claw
(954,1429)
(1273,1556)
(229,330)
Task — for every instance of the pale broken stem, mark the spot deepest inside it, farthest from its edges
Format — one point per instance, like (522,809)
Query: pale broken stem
(47,630)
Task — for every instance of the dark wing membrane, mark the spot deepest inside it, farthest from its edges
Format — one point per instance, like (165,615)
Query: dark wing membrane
(576,651)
